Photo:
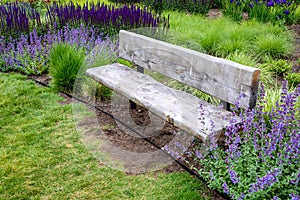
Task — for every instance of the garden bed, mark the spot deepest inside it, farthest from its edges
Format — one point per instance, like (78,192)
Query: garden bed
(32,57)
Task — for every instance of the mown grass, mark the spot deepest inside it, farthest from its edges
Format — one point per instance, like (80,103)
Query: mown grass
(42,156)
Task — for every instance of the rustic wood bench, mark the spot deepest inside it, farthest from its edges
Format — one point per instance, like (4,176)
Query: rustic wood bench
(224,79)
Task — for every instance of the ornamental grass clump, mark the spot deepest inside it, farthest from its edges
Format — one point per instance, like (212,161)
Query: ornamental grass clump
(65,61)
(262,154)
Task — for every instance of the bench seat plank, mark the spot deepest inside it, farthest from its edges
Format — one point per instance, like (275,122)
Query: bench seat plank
(181,109)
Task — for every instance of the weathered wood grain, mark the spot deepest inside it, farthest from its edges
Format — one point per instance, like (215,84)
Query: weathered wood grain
(185,111)
(221,78)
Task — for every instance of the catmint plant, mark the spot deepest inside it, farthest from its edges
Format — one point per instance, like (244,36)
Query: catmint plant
(29,54)
(261,156)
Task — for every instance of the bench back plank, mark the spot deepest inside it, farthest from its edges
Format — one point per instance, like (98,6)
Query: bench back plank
(218,77)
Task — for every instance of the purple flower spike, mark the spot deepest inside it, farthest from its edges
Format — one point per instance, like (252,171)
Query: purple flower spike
(270,4)
(294,196)
(225,188)
(233,176)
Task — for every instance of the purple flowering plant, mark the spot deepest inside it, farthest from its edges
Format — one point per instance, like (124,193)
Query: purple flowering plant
(106,19)
(261,156)
(26,40)
(275,11)
(29,54)
(18,18)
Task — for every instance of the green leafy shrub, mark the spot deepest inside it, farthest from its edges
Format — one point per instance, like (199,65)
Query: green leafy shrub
(96,90)
(279,67)
(192,6)
(65,61)
(293,79)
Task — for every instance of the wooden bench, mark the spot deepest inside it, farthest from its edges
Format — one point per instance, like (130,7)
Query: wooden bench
(218,77)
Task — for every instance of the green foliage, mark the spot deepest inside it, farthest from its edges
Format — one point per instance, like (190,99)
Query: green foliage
(272,96)
(64,64)
(242,58)
(191,6)
(273,46)
(276,12)
(293,79)
(297,14)
(180,86)
(95,90)
(279,67)
(101,55)
(222,37)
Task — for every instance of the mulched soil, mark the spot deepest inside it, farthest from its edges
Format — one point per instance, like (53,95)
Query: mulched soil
(140,117)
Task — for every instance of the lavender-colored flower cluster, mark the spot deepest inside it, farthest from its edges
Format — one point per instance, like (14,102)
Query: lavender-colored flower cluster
(29,53)
(266,181)
(262,157)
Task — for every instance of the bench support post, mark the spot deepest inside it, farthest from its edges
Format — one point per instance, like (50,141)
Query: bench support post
(141,70)
(225,105)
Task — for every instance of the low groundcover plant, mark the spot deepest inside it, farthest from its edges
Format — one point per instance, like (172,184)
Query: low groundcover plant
(262,155)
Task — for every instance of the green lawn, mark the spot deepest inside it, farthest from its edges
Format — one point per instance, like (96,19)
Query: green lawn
(42,156)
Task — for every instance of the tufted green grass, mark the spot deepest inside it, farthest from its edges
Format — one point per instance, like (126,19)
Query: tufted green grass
(222,37)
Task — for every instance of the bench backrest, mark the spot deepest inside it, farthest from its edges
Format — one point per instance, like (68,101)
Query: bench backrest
(218,77)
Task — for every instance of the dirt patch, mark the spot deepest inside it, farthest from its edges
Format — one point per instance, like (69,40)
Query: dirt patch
(296,54)
(43,79)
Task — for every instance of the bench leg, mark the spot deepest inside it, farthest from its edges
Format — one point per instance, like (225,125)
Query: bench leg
(225,105)
(132,104)
(140,69)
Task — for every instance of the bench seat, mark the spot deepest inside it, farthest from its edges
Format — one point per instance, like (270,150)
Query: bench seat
(183,110)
